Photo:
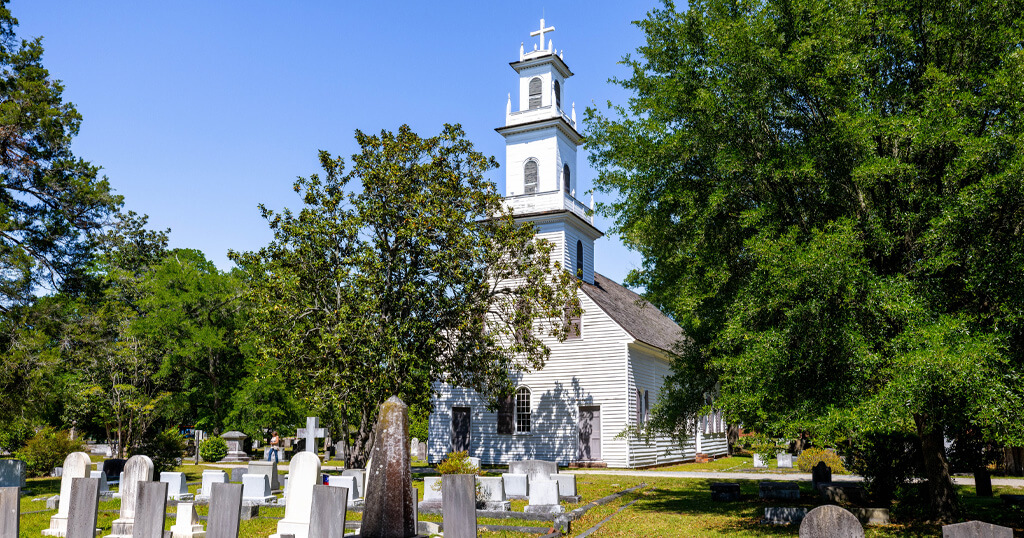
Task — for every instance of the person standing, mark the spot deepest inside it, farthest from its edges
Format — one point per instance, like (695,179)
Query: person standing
(275,445)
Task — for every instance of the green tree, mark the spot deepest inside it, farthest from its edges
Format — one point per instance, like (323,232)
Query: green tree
(828,199)
(404,272)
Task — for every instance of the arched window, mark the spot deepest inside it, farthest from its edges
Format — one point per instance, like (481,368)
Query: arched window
(579,259)
(639,408)
(647,407)
(565,177)
(558,95)
(523,410)
(530,176)
(535,98)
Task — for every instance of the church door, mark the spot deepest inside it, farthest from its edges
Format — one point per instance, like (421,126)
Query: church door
(460,429)
(589,427)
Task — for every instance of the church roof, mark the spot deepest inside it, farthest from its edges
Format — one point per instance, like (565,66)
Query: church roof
(641,319)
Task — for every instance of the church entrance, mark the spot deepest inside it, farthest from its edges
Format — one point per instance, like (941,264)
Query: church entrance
(460,429)
(589,427)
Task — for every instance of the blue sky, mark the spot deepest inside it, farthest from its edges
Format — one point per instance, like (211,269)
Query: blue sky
(200,110)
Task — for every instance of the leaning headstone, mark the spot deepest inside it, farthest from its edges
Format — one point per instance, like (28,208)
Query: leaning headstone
(303,476)
(360,482)
(236,473)
(150,509)
(225,511)
(534,469)
(256,489)
(138,469)
(12,473)
(517,485)
(177,488)
(725,491)
(10,511)
(566,487)
(459,501)
(544,497)
(76,465)
(236,447)
(820,474)
(976,529)
(785,460)
(186,523)
(492,492)
(431,494)
(327,512)
(113,469)
(830,521)
(268,468)
(390,502)
(104,488)
(209,479)
(84,504)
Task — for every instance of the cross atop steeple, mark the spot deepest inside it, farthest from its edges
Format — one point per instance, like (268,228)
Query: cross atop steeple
(541,33)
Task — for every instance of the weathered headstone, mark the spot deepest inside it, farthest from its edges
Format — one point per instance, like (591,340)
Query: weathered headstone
(431,494)
(210,478)
(830,521)
(785,460)
(186,523)
(459,501)
(327,512)
(976,529)
(517,485)
(767,489)
(534,469)
(725,491)
(150,509)
(10,511)
(492,491)
(84,504)
(177,488)
(423,450)
(12,473)
(76,465)
(268,468)
(256,489)
(544,497)
(759,462)
(390,502)
(311,433)
(414,448)
(137,469)
(225,511)
(360,481)
(566,487)
(113,469)
(820,474)
(303,477)
(784,515)
(236,447)
(236,473)
(347,482)
(104,488)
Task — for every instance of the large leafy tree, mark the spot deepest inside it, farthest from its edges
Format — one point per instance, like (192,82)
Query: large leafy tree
(828,198)
(404,272)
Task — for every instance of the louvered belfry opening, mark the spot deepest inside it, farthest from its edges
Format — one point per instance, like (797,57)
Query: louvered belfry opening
(565,177)
(558,95)
(535,99)
(530,176)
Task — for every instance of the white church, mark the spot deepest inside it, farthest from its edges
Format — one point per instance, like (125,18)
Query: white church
(606,375)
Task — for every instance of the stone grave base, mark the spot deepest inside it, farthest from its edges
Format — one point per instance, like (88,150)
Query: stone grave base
(494,506)
(544,509)
(260,501)
(782,515)
(725,491)
(570,498)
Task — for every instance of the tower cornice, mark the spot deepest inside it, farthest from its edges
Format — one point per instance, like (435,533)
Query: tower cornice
(558,122)
(551,58)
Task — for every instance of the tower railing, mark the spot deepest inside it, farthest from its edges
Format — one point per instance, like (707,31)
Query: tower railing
(549,201)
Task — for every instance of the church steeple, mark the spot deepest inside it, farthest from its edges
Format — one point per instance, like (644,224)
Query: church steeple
(541,140)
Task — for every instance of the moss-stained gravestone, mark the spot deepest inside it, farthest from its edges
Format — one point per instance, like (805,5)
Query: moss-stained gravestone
(389,510)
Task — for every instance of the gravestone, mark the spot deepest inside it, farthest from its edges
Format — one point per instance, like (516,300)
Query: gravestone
(327,512)
(539,469)
(982,483)
(311,433)
(237,472)
(767,489)
(12,473)
(414,448)
(475,462)
(177,488)
(236,447)
(544,497)
(10,511)
(725,491)
(830,521)
(268,468)
(423,451)
(459,505)
(783,515)
(566,487)
(360,480)
(431,494)
(840,493)
(390,504)
(256,489)
(113,469)
(759,462)
(785,460)
(492,491)
(150,509)
(84,504)
(104,488)
(76,465)
(187,523)
(210,478)
(517,485)
(347,482)
(976,529)
(137,469)
(303,478)
(225,511)
(820,474)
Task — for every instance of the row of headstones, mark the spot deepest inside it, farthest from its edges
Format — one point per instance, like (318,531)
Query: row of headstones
(535,480)
(831,521)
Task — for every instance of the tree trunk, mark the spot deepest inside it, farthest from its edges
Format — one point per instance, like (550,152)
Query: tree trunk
(1013,461)
(732,435)
(941,492)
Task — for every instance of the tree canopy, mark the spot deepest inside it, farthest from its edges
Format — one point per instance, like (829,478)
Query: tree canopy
(828,199)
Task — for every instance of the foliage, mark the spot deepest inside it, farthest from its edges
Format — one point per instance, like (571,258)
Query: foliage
(213,449)
(811,456)
(457,463)
(263,403)
(887,462)
(46,450)
(419,422)
(404,272)
(165,448)
(827,197)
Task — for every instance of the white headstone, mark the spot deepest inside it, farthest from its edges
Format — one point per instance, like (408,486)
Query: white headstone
(785,461)
(544,497)
(491,490)
(187,524)
(516,484)
(566,484)
(256,489)
(360,482)
(347,482)
(177,488)
(209,479)
(268,468)
(303,474)
(759,461)
(76,465)
(432,489)
(137,469)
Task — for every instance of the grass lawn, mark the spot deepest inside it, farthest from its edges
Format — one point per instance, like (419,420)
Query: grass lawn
(737,464)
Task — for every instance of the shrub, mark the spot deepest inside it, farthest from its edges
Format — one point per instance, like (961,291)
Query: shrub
(887,461)
(46,450)
(165,449)
(456,463)
(213,449)
(810,457)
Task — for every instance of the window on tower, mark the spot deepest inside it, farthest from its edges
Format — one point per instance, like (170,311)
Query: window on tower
(565,178)
(535,98)
(530,176)
(579,259)
(558,95)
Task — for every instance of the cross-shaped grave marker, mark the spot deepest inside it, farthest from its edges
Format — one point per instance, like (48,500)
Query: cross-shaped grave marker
(541,33)
(311,432)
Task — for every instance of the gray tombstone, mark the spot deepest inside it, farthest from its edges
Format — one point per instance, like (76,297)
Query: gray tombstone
(517,486)
(820,474)
(12,473)
(225,511)
(414,448)
(830,521)
(768,489)
(236,447)
(237,472)
(458,494)
(390,498)
(10,511)
(256,489)
(104,488)
(150,510)
(177,488)
(423,450)
(328,512)
(725,491)
(534,469)
(566,487)
(85,502)
(976,529)
(431,495)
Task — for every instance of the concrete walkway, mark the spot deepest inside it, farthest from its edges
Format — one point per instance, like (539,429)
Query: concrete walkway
(792,477)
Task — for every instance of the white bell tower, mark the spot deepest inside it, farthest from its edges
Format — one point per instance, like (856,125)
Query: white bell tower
(540,158)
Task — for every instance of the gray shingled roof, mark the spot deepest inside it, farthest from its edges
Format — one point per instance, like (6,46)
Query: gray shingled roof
(641,319)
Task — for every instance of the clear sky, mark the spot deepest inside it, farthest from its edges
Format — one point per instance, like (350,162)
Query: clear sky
(200,110)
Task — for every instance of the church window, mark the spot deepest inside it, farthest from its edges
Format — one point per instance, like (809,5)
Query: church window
(565,177)
(572,325)
(523,410)
(579,259)
(558,95)
(647,407)
(507,415)
(639,408)
(530,176)
(535,89)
